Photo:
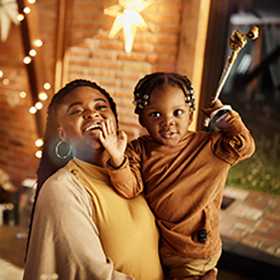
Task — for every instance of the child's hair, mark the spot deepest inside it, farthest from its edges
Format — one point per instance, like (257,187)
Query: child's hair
(145,86)
(50,163)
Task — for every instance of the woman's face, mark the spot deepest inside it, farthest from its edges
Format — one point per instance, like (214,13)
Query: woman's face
(80,116)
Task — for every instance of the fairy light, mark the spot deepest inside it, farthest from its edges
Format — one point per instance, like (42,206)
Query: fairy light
(26,10)
(39,143)
(20,17)
(43,96)
(32,52)
(22,94)
(31,1)
(32,110)
(38,154)
(38,105)
(47,86)
(1,74)
(6,82)
(27,60)
(38,43)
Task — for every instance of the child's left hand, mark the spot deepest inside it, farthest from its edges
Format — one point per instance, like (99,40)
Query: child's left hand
(212,107)
(115,144)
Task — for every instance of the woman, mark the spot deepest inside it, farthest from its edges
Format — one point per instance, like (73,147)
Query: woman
(81,229)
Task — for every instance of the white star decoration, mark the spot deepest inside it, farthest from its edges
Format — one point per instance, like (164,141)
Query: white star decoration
(128,18)
(8,13)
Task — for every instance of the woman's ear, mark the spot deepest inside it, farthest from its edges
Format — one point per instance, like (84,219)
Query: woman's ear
(61,134)
(191,117)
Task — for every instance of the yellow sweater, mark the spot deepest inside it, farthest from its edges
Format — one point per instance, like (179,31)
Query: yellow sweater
(127,228)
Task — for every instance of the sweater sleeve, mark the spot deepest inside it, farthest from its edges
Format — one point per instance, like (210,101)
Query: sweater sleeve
(127,180)
(234,141)
(64,239)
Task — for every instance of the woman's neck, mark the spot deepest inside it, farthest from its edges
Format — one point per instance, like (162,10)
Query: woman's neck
(99,157)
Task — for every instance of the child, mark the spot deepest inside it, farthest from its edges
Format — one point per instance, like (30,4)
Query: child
(181,172)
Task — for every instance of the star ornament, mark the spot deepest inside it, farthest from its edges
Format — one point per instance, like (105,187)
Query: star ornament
(128,18)
(8,13)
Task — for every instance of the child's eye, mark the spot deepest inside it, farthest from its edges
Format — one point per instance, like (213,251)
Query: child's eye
(100,107)
(155,114)
(178,112)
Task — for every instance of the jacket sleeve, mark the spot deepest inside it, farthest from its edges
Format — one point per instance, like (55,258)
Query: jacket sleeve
(234,141)
(127,179)
(64,239)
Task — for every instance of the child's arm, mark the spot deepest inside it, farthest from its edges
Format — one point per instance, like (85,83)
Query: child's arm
(127,183)
(114,143)
(236,142)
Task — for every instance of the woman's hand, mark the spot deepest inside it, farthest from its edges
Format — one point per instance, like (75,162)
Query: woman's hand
(114,144)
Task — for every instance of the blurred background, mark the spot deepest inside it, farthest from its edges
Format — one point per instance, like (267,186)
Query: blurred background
(47,43)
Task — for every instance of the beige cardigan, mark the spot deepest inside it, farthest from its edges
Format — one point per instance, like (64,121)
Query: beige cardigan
(66,240)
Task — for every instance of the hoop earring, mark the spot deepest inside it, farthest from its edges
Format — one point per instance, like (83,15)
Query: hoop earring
(57,151)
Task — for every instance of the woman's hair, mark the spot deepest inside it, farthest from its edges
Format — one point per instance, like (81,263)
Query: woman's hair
(50,163)
(145,86)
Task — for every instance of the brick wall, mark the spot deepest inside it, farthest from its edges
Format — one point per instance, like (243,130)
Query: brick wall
(92,56)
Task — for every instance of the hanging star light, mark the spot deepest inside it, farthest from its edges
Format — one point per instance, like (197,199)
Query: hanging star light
(8,13)
(128,18)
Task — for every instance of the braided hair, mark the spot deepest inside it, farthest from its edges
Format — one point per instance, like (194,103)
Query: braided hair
(50,163)
(145,86)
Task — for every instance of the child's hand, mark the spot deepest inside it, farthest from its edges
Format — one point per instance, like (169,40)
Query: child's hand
(115,144)
(212,107)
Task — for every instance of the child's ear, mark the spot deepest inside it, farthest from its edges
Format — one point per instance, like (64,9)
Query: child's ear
(141,120)
(61,134)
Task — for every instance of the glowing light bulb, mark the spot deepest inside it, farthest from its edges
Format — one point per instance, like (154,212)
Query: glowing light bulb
(6,82)
(39,142)
(26,10)
(38,43)
(38,154)
(47,86)
(20,17)
(32,110)
(31,1)
(43,96)
(38,105)
(1,74)
(32,52)
(22,94)
(27,60)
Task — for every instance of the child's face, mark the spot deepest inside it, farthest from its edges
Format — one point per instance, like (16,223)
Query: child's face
(166,116)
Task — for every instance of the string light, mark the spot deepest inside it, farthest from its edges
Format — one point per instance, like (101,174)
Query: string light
(6,81)
(20,17)
(38,154)
(27,60)
(26,10)
(39,143)
(31,1)
(38,105)
(47,86)
(1,74)
(38,43)
(32,52)
(22,94)
(32,110)
(43,96)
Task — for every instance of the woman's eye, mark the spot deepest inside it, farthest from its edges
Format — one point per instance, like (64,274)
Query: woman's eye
(178,112)
(155,114)
(78,111)
(100,107)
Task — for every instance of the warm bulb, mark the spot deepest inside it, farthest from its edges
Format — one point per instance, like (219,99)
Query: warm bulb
(43,96)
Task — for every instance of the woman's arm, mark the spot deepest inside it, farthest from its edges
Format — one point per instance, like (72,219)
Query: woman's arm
(64,238)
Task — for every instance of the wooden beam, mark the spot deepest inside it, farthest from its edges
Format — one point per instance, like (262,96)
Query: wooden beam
(36,69)
(192,44)
(62,44)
